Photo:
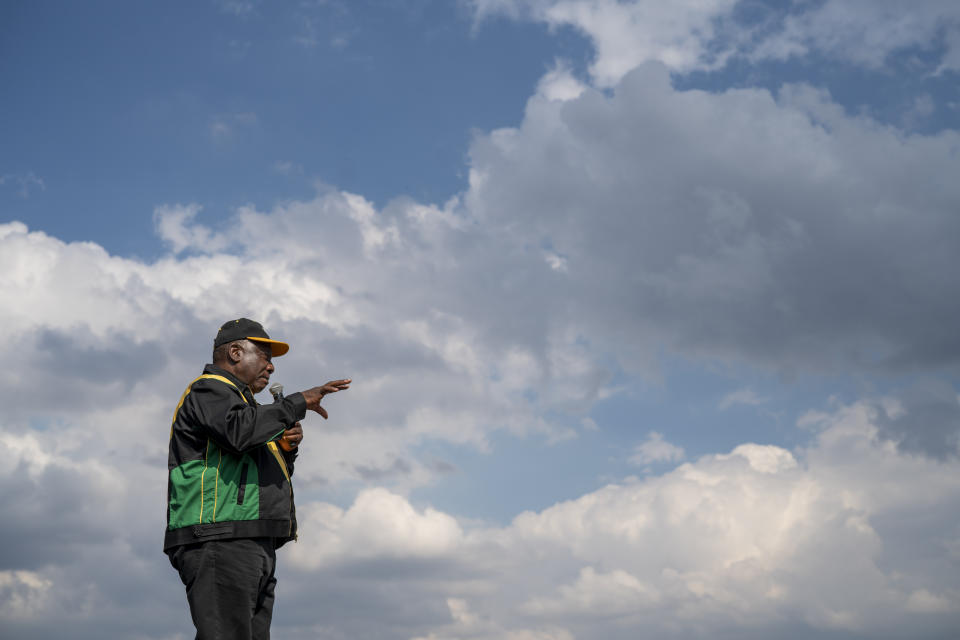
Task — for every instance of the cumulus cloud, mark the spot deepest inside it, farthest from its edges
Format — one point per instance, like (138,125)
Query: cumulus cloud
(757,542)
(333,297)
(83,509)
(662,204)
(380,524)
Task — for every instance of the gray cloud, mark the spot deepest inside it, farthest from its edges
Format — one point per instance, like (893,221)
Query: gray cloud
(44,518)
(378,474)
(768,228)
(928,420)
(79,355)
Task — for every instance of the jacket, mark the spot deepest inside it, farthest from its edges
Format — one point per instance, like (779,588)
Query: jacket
(227,476)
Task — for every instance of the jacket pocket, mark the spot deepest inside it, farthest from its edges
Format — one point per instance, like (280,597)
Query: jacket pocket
(243,483)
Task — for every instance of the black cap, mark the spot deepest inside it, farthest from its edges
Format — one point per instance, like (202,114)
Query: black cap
(246,329)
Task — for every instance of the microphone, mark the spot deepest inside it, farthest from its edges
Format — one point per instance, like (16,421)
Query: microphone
(276,390)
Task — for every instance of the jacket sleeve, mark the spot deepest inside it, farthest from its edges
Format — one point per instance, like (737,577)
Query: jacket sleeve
(220,411)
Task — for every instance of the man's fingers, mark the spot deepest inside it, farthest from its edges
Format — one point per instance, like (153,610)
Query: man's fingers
(337,385)
(315,395)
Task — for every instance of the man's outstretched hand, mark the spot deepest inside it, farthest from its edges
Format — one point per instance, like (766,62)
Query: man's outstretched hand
(315,395)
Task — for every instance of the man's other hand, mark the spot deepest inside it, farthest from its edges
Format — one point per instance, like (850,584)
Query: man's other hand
(291,438)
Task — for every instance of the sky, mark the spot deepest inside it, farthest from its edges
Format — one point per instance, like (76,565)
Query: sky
(650,309)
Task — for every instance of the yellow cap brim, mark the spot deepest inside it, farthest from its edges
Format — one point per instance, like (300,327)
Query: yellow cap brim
(277,348)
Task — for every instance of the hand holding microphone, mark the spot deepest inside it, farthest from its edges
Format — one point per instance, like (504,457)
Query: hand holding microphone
(292,436)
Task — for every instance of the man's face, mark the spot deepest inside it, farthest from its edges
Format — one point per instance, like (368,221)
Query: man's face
(255,366)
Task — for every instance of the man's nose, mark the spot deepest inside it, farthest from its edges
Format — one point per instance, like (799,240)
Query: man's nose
(270,367)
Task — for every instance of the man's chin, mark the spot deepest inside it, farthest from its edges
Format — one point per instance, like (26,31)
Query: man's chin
(259,385)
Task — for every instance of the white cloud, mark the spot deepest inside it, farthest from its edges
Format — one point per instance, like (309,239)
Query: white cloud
(765,458)
(467,624)
(951,59)
(560,84)
(26,181)
(175,226)
(596,595)
(224,125)
(864,32)
(922,601)
(286,167)
(753,543)
(626,34)
(23,594)
(239,8)
(380,524)
(656,449)
(329,285)
(375,237)
(703,35)
(745,396)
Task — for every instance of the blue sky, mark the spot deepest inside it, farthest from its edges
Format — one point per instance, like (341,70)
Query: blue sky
(650,306)
(127,106)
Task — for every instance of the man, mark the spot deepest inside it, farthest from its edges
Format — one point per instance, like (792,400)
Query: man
(229,496)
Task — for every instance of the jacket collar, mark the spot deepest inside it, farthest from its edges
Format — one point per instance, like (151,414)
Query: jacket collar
(244,388)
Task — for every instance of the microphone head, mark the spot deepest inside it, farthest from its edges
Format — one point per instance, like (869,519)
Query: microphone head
(276,390)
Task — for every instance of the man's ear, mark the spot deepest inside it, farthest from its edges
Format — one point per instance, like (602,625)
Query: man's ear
(235,352)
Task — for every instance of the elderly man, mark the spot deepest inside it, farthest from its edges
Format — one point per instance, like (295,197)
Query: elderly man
(229,495)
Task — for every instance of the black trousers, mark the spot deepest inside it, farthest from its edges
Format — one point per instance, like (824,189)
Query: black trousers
(230,586)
